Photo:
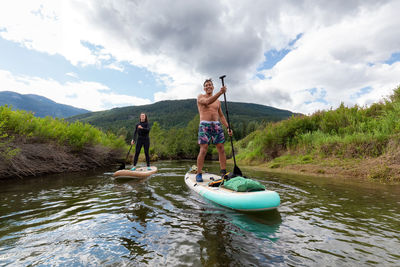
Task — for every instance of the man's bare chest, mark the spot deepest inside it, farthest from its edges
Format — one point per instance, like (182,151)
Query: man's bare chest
(212,107)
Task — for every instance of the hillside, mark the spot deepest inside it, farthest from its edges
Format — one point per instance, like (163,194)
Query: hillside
(39,105)
(178,113)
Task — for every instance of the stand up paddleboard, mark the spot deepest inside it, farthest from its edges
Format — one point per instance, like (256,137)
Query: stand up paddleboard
(141,172)
(242,201)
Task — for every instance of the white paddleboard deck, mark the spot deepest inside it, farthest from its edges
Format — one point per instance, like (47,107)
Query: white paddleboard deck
(141,172)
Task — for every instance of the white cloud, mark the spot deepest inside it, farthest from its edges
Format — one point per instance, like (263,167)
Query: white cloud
(72,74)
(115,66)
(342,49)
(87,95)
(338,59)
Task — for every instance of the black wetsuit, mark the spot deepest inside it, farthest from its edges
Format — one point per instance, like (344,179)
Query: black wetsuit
(142,139)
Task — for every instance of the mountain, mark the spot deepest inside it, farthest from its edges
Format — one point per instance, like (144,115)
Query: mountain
(39,105)
(178,113)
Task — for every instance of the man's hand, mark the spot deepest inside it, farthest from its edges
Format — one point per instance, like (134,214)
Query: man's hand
(230,132)
(223,90)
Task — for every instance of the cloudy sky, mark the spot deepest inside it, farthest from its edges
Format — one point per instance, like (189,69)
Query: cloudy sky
(301,55)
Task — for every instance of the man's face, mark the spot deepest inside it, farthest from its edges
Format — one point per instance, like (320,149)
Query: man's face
(208,87)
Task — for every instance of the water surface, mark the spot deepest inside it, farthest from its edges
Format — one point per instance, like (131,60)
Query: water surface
(92,220)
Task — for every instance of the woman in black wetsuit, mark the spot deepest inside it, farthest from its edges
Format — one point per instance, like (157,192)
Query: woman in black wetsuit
(141,138)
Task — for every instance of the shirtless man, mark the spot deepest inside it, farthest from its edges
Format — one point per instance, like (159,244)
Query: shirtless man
(210,128)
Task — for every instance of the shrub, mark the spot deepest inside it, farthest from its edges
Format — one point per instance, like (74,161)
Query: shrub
(76,135)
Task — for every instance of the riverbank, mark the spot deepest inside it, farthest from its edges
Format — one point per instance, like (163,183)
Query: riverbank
(35,159)
(32,146)
(384,169)
(362,142)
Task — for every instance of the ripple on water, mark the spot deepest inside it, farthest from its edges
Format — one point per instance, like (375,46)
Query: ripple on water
(158,221)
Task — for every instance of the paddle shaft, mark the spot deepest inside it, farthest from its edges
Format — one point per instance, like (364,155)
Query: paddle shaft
(227,118)
(127,155)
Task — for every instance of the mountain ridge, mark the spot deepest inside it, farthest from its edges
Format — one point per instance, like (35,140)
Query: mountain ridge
(41,106)
(178,113)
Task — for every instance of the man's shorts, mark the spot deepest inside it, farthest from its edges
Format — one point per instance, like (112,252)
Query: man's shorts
(211,132)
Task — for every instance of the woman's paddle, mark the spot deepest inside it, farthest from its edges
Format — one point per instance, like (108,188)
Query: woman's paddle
(123,164)
(236,170)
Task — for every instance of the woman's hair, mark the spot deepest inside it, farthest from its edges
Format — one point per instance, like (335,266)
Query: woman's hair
(145,120)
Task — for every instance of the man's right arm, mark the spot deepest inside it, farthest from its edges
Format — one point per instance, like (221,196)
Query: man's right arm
(204,100)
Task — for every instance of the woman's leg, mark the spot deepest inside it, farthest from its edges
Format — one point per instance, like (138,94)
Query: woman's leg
(139,145)
(146,151)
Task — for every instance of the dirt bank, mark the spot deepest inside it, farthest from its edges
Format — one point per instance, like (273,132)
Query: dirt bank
(34,159)
(384,169)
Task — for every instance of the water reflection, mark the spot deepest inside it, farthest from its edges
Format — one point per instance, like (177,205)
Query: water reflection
(91,219)
(262,225)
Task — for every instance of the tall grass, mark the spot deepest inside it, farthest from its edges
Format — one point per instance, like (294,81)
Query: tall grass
(6,151)
(76,135)
(347,132)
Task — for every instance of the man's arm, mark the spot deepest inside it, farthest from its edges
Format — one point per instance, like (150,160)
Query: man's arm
(222,117)
(223,120)
(204,100)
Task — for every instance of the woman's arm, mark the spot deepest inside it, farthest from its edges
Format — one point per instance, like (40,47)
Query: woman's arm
(145,128)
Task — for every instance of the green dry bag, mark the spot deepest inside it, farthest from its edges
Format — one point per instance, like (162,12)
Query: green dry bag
(241,184)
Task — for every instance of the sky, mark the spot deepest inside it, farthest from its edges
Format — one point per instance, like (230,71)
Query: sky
(299,55)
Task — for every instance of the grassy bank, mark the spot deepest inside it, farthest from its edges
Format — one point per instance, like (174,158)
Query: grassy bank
(349,141)
(31,146)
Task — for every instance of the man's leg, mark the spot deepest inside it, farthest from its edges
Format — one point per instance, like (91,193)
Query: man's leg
(201,157)
(222,156)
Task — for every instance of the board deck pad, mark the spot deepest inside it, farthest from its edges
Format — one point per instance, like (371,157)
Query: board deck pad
(140,172)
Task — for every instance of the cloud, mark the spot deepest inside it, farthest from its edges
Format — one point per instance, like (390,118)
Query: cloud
(82,94)
(338,59)
(72,74)
(342,48)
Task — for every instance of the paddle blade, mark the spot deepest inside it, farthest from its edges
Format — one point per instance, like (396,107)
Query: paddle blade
(237,171)
(122,166)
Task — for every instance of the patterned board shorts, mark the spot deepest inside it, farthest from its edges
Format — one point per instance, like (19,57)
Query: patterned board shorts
(211,132)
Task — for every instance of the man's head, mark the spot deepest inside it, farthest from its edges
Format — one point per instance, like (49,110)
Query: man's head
(206,81)
(208,85)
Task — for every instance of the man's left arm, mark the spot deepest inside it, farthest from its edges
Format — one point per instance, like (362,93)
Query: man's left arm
(223,120)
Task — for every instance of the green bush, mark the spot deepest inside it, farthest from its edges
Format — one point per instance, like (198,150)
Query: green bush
(77,135)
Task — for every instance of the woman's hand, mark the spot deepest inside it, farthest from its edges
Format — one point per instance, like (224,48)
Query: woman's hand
(132,142)
(230,132)
(140,127)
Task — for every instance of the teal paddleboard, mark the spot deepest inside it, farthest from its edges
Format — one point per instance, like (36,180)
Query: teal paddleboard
(243,201)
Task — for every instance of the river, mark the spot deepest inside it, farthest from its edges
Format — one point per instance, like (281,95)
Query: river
(90,219)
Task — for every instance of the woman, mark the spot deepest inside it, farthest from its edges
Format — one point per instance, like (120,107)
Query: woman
(141,138)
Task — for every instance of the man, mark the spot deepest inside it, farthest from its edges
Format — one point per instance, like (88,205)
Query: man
(210,128)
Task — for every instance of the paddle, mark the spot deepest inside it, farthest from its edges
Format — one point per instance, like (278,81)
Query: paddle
(123,164)
(236,170)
